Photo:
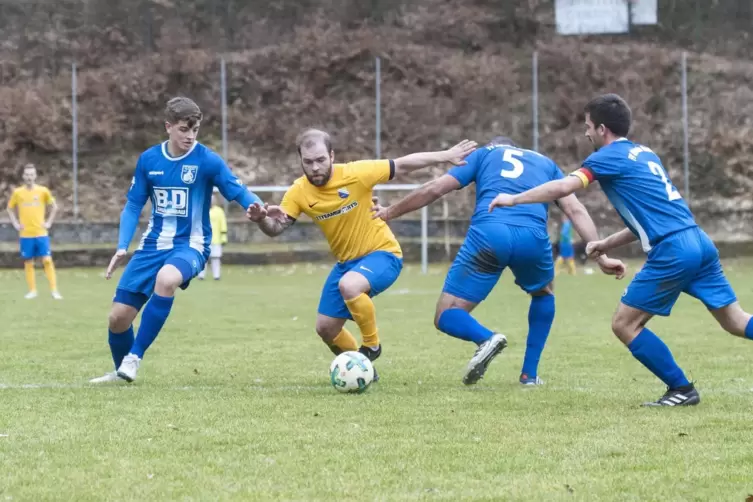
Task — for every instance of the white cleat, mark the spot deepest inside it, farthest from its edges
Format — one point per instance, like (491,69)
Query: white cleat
(57,295)
(483,356)
(31,295)
(107,378)
(129,367)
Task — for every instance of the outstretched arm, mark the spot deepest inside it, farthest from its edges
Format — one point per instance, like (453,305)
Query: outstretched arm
(621,238)
(548,192)
(454,155)
(420,197)
(578,214)
(276,221)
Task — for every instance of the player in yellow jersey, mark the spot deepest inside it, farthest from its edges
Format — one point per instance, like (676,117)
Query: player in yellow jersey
(219,236)
(338,197)
(31,202)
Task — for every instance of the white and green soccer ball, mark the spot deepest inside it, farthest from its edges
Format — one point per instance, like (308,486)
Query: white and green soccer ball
(351,372)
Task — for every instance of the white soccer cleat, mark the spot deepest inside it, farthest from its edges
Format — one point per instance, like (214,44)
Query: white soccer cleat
(129,367)
(57,295)
(106,378)
(31,295)
(483,356)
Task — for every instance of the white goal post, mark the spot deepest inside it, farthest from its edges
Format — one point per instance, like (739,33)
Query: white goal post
(378,188)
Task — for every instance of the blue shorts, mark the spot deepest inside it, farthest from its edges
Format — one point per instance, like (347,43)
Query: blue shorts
(566,250)
(380,268)
(684,262)
(137,283)
(489,249)
(35,247)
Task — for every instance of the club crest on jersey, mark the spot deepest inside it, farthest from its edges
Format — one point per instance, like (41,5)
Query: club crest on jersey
(188,174)
(343,193)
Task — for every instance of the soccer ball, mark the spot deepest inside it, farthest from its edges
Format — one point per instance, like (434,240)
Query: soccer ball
(351,372)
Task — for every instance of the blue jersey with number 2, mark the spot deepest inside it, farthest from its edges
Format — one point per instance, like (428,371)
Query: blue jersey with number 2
(506,169)
(637,185)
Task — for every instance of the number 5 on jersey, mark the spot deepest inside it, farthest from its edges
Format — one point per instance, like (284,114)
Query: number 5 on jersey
(657,170)
(508,155)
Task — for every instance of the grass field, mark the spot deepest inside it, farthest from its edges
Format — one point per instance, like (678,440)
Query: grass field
(233,400)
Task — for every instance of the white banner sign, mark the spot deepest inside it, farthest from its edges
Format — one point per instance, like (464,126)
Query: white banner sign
(644,12)
(582,17)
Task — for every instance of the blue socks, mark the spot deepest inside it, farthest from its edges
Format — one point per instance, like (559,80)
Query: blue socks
(540,319)
(460,324)
(749,329)
(154,317)
(120,345)
(655,355)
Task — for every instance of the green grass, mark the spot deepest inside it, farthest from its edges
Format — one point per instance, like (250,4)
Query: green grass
(233,401)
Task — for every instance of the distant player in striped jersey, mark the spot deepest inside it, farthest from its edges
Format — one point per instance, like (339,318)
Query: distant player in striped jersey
(177,176)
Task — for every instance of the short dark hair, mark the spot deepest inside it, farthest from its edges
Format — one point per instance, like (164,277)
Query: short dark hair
(612,111)
(502,140)
(181,108)
(310,137)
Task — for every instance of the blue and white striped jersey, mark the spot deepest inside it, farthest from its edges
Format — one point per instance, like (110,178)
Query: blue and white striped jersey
(180,189)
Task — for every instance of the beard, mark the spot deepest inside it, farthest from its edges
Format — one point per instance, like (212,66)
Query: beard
(321,179)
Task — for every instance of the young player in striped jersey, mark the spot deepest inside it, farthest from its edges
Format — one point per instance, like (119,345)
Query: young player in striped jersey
(681,257)
(177,176)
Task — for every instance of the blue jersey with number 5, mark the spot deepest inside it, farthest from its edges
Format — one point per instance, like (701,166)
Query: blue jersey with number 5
(635,182)
(506,169)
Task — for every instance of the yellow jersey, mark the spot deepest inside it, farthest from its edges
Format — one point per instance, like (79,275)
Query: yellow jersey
(32,204)
(219,225)
(342,208)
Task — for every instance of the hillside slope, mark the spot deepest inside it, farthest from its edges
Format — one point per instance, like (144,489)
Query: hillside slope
(451,69)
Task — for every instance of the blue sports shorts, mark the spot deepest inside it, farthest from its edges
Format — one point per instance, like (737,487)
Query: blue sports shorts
(35,247)
(490,248)
(137,283)
(380,268)
(683,262)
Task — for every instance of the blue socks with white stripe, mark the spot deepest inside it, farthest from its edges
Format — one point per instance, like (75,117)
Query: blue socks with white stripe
(655,355)
(154,317)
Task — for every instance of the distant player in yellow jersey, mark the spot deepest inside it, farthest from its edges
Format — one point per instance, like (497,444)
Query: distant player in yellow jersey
(338,197)
(219,236)
(31,202)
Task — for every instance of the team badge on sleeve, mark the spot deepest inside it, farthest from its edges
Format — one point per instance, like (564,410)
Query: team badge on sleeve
(188,173)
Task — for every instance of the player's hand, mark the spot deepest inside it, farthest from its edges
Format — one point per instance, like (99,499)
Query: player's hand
(502,200)
(612,266)
(116,260)
(459,152)
(47,225)
(18,227)
(276,212)
(379,211)
(594,249)
(256,212)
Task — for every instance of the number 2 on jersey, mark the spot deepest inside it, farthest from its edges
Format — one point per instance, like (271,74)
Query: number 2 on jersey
(659,171)
(517,166)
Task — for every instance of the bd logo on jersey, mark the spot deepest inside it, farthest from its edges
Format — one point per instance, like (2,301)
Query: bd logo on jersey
(343,193)
(171,201)
(188,174)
